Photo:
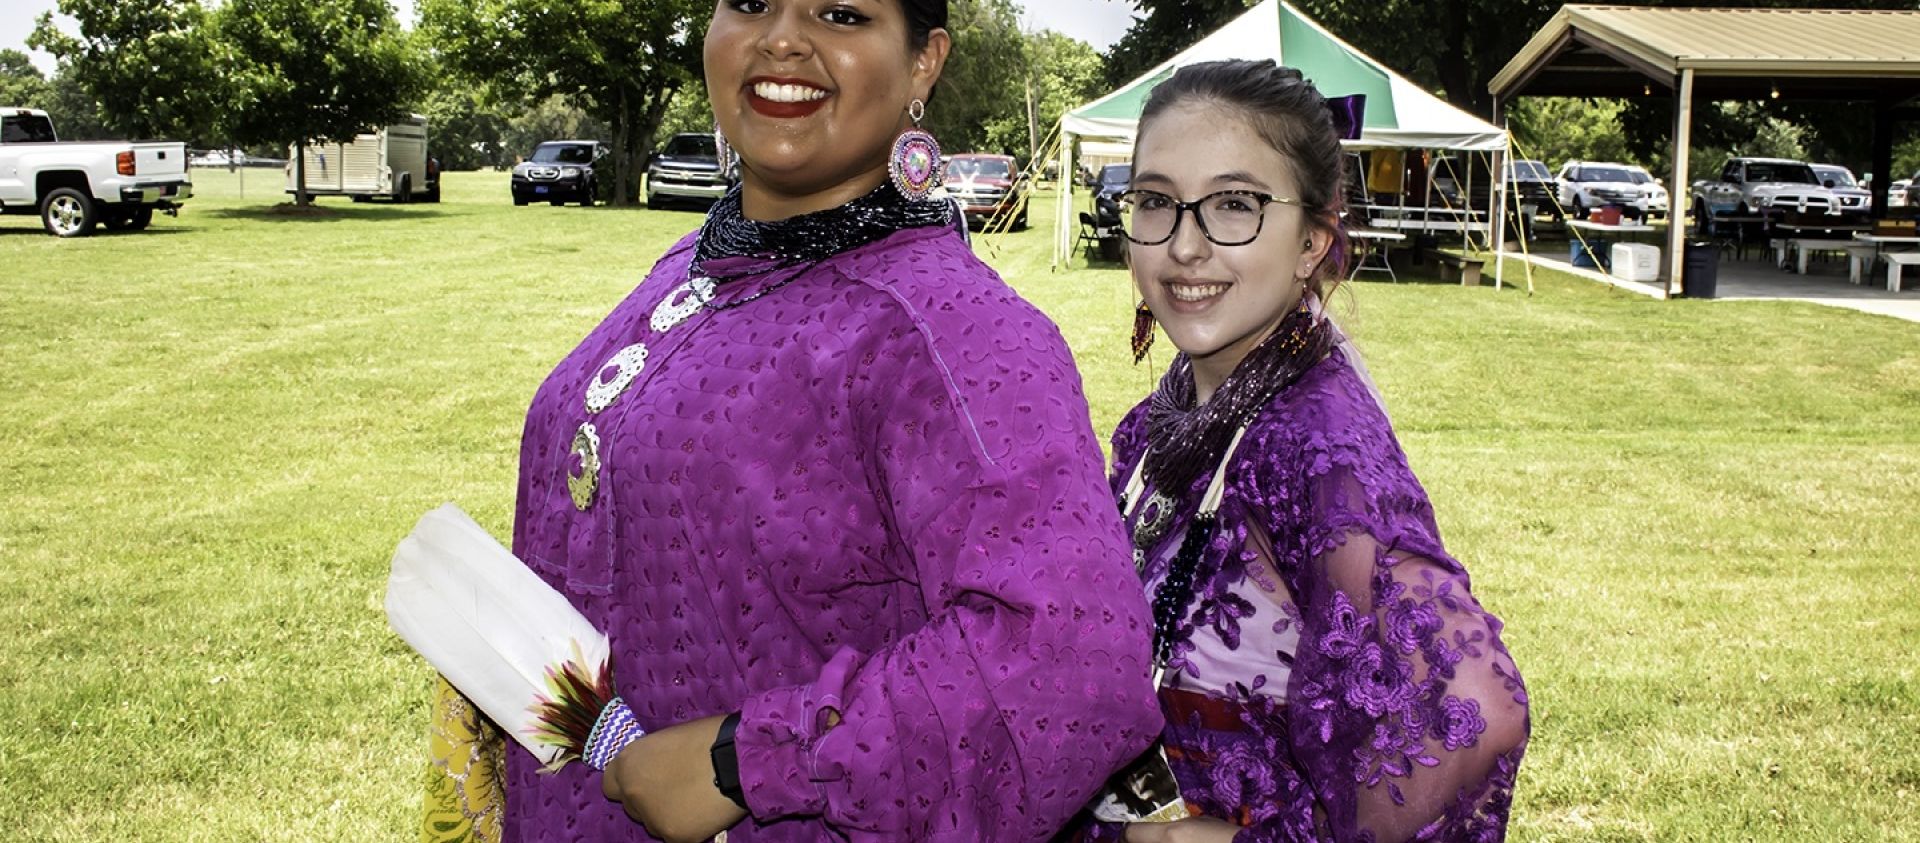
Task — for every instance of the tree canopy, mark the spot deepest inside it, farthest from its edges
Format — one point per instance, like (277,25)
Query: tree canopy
(314,70)
(621,61)
(21,84)
(151,65)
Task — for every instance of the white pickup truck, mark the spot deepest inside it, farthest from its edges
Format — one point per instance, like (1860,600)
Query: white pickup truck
(1770,187)
(74,186)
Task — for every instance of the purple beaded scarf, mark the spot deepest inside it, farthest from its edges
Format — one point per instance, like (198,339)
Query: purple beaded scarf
(1186,441)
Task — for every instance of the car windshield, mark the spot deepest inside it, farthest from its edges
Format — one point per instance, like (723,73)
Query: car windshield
(1116,175)
(1531,170)
(979,168)
(1782,173)
(563,153)
(1603,174)
(26,128)
(692,146)
(1840,176)
(1640,176)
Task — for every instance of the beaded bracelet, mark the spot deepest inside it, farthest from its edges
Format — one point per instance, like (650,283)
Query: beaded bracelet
(615,729)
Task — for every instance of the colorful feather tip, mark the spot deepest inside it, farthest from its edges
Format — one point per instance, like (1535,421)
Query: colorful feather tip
(567,718)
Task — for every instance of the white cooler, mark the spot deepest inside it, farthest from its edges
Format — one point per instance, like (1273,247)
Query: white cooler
(1636,262)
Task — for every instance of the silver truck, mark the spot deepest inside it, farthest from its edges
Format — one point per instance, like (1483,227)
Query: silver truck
(75,186)
(1768,187)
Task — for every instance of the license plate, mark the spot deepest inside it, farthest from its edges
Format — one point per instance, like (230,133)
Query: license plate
(540,189)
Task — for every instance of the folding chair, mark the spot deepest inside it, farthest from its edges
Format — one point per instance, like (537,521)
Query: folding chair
(1087,236)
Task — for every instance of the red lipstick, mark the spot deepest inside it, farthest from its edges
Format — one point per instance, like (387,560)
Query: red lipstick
(783,110)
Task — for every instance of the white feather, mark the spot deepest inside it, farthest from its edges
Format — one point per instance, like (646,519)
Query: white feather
(487,623)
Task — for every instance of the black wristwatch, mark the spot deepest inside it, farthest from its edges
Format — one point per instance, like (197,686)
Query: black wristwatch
(726,762)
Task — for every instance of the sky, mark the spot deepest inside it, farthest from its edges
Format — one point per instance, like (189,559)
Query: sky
(1097,22)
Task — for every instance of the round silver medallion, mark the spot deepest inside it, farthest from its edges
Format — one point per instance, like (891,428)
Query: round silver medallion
(682,304)
(585,485)
(629,363)
(1155,517)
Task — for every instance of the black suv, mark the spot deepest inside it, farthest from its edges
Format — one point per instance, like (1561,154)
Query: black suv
(560,172)
(687,168)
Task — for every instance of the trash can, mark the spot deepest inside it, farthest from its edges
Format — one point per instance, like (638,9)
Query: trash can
(1701,271)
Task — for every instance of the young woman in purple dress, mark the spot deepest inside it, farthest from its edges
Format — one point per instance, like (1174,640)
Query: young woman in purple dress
(1328,675)
(831,489)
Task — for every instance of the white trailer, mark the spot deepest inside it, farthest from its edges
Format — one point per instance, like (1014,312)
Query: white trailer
(390,162)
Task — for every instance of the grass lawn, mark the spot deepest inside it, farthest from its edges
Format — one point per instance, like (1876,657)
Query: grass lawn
(1701,521)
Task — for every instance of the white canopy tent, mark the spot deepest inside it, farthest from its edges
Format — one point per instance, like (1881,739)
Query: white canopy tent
(1399,114)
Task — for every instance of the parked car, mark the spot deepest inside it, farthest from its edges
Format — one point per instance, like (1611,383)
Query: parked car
(987,188)
(76,186)
(559,172)
(1854,199)
(1654,203)
(1913,191)
(1533,184)
(1765,186)
(1897,193)
(1113,180)
(1586,185)
(687,167)
(390,162)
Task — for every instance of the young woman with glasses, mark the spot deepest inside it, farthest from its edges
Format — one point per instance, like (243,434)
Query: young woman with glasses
(1327,674)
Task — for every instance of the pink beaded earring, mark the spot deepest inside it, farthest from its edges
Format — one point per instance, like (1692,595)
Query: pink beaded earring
(915,163)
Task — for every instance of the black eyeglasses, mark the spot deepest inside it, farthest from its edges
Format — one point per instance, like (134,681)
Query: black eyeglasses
(1227,218)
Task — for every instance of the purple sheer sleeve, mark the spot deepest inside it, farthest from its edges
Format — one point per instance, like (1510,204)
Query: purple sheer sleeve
(1407,715)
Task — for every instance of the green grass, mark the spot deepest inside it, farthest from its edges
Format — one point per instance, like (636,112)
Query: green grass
(1698,519)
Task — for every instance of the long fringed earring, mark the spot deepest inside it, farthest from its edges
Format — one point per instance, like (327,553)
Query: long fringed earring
(1142,332)
(723,152)
(915,163)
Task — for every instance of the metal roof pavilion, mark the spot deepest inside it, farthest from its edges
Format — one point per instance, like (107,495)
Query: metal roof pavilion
(1613,51)
(1866,56)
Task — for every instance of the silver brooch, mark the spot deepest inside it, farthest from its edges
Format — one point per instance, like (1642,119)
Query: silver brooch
(585,485)
(1155,518)
(682,304)
(630,362)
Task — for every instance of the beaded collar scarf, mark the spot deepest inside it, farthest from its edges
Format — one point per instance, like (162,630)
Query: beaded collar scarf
(1186,441)
(810,238)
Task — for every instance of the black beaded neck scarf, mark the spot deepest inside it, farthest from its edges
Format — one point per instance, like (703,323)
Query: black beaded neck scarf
(810,238)
(1185,441)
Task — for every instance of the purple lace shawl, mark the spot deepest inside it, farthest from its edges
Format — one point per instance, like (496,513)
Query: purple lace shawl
(1403,717)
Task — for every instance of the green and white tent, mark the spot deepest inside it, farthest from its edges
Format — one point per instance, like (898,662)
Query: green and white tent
(1399,113)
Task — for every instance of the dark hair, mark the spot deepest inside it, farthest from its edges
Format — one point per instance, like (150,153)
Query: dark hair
(923,17)
(1289,113)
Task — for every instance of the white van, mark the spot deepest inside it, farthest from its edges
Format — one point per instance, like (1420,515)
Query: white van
(390,162)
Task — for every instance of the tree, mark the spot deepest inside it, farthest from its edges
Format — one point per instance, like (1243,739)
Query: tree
(76,114)
(21,84)
(1061,73)
(315,71)
(622,61)
(149,64)
(979,85)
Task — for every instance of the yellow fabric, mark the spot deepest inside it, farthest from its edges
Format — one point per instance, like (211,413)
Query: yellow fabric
(1387,172)
(466,776)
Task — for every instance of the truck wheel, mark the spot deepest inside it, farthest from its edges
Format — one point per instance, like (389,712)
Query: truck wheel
(67,212)
(586,196)
(140,218)
(433,194)
(405,193)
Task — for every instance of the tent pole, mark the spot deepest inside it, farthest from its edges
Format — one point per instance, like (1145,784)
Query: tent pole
(1063,216)
(1502,161)
(1676,219)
